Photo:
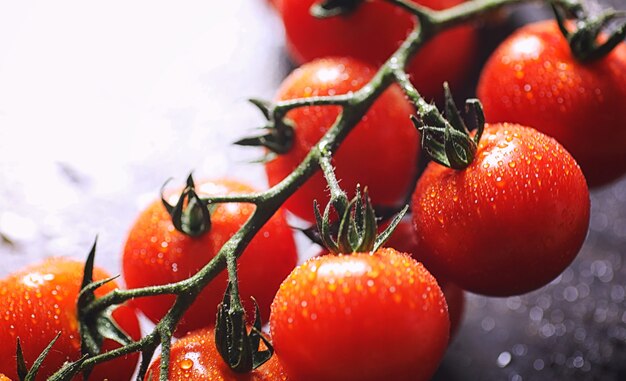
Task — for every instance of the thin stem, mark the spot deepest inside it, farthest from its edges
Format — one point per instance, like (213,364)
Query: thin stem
(337,195)
(282,107)
(231,267)
(423,107)
(250,198)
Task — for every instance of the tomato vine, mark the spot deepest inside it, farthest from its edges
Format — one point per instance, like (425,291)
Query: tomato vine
(353,108)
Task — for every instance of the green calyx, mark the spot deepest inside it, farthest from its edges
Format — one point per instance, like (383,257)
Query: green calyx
(239,348)
(191,215)
(330,8)
(278,136)
(98,325)
(584,40)
(358,228)
(447,141)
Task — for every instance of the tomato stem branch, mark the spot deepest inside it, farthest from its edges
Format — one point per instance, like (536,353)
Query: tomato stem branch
(338,197)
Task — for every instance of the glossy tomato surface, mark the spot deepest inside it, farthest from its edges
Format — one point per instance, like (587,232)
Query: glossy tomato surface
(362,316)
(156,253)
(404,240)
(511,221)
(373,32)
(195,358)
(40,301)
(533,79)
(384,142)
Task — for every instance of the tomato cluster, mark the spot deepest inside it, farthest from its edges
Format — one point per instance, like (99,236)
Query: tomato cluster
(508,223)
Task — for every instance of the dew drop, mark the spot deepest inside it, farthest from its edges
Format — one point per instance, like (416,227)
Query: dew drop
(186,364)
(504,359)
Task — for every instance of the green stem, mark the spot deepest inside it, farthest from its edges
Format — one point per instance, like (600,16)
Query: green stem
(282,107)
(337,195)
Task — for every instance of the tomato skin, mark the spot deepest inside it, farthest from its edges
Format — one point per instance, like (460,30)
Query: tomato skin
(330,319)
(155,253)
(195,358)
(533,79)
(39,301)
(372,33)
(511,221)
(384,139)
(404,240)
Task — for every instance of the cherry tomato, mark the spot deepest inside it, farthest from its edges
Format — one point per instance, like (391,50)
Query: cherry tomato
(365,316)
(40,301)
(511,221)
(373,32)
(195,358)
(156,253)
(404,240)
(534,80)
(385,139)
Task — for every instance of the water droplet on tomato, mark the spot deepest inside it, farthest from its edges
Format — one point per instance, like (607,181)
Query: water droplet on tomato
(186,364)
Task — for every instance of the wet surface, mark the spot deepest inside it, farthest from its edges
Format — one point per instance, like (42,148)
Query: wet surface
(97,113)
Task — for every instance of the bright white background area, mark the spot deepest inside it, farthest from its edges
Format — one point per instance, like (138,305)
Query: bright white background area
(101,102)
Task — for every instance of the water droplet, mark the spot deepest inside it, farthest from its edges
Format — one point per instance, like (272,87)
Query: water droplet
(504,359)
(186,364)
(487,324)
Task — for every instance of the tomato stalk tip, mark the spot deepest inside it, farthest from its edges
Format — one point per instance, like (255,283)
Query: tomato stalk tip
(584,39)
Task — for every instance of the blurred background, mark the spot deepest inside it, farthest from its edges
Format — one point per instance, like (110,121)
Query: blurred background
(102,102)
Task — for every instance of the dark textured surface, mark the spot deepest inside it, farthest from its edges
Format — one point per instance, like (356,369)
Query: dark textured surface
(100,104)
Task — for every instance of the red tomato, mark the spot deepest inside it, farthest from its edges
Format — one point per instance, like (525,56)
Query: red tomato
(385,139)
(195,358)
(373,32)
(156,253)
(404,240)
(40,301)
(534,80)
(511,221)
(365,316)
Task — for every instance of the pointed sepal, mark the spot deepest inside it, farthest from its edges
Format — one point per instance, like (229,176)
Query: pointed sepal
(357,228)
(191,214)
(95,327)
(448,141)
(239,348)
(278,132)
(23,373)
(584,40)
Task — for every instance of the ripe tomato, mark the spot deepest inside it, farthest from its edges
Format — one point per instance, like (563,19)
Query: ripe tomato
(4,378)
(534,80)
(365,316)
(195,358)
(404,240)
(156,253)
(373,32)
(511,221)
(384,139)
(40,301)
